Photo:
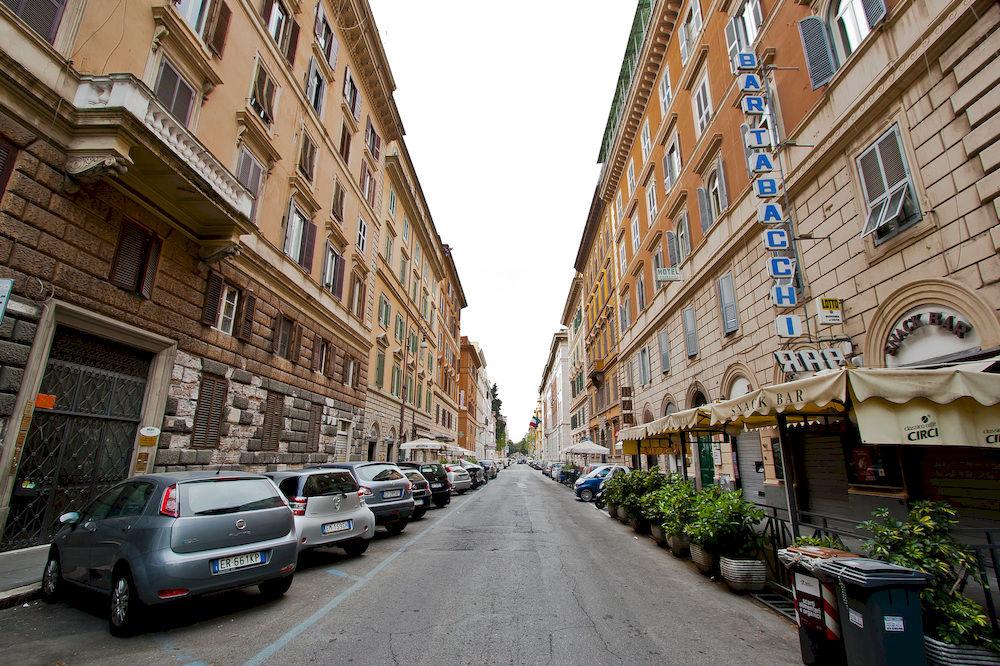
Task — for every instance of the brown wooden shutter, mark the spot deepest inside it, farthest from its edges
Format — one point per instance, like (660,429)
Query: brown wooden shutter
(356,379)
(310,246)
(213,298)
(338,287)
(293,42)
(220,28)
(317,350)
(208,413)
(129,263)
(245,329)
(273,421)
(295,344)
(362,300)
(315,424)
(331,359)
(8,155)
(276,333)
(152,263)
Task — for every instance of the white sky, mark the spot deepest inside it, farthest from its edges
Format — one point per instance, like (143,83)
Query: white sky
(504,103)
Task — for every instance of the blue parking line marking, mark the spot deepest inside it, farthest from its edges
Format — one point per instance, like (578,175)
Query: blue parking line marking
(334,571)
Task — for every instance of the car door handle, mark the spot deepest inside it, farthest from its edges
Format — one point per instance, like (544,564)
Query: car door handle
(90,526)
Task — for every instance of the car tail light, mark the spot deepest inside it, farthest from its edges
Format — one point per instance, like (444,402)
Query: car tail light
(298,505)
(364,491)
(409,486)
(169,505)
(172,593)
(288,568)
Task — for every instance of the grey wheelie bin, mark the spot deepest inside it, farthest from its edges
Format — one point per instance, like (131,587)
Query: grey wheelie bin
(880,611)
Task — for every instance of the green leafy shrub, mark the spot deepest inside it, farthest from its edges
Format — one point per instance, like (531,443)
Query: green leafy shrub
(639,483)
(725,524)
(651,504)
(677,505)
(825,541)
(613,488)
(924,542)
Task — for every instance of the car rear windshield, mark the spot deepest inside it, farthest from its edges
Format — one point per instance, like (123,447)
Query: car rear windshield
(414,475)
(431,469)
(329,483)
(206,498)
(380,473)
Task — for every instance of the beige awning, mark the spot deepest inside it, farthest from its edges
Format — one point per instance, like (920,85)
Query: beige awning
(821,394)
(632,434)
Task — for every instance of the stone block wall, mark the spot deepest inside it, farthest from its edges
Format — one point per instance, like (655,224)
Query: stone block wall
(17,331)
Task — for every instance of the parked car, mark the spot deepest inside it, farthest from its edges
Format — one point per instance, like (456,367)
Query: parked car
(458,477)
(586,486)
(476,473)
(156,538)
(437,476)
(421,492)
(490,467)
(328,507)
(385,489)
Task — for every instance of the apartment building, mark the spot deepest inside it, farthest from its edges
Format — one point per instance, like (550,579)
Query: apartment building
(414,272)
(866,235)
(190,216)
(470,425)
(554,393)
(486,437)
(573,320)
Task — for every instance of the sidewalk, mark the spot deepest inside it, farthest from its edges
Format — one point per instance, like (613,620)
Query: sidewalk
(21,574)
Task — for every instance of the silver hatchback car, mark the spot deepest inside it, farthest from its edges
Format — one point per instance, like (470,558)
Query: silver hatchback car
(328,507)
(160,537)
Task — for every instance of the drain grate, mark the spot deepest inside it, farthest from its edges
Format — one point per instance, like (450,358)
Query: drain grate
(777,603)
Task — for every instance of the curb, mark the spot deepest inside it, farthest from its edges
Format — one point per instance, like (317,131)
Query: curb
(20,595)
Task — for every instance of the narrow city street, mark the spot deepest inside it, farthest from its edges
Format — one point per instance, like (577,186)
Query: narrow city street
(516,572)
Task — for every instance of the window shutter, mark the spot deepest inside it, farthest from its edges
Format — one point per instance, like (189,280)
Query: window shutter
(317,350)
(213,298)
(8,153)
(331,359)
(347,84)
(747,151)
(875,11)
(690,332)
(42,16)
(207,428)
(684,43)
(128,265)
(334,49)
(727,301)
(818,50)
(703,209)
(293,42)
(220,28)
(893,163)
(295,344)
(732,43)
(672,252)
(663,340)
(265,10)
(273,421)
(356,379)
(318,23)
(245,329)
(338,280)
(871,174)
(276,333)
(149,270)
(315,421)
(309,246)
(721,175)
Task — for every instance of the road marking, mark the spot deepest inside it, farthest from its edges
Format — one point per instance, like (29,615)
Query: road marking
(334,571)
(275,647)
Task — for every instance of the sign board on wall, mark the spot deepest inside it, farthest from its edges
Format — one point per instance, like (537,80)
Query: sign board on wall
(809,360)
(929,332)
(829,310)
(668,274)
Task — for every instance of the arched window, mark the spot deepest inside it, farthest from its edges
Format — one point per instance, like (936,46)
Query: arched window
(850,24)
(669,408)
(683,236)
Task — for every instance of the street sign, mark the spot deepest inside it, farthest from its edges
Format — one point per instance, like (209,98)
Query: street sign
(788,326)
(6,286)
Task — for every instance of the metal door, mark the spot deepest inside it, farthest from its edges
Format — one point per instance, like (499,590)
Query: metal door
(750,464)
(82,446)
(705,461)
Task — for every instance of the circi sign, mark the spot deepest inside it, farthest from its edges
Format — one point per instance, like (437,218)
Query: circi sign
(148,436)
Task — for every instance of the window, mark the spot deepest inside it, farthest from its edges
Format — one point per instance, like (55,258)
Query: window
(273,421)
(666,94)
(327,41)
(683,238)
(315,86)
(702,102)
(889,192)
(618,208)
(712,199)
(262,95)
(384,311)
(640,292)
(345,143)
(282,28)
(195,12)
(250,174)
(420,394)
(300,237)
(397,378)
(400,332)
(647,141)
(42,16)
(227,313)
(362,234)
(644,373)
(650,201)
(626,311)
(631,177)
(876,466)
(392,203)
(333,271)
(742,29)
(690,332)
(338,200)
(404,270)
(358,289)
(380,369)
(136,259)
(663,342)
(690,30)
(622,258)
(373,140)
(406,229)
(174,92)
(387,251)
(222,308)
(307,157)
(635,233)
(727,304)
(367,184)
(671,165)
(850,24)
(284,337)
(207,426)
(352,97)
(351,371)
(321,356)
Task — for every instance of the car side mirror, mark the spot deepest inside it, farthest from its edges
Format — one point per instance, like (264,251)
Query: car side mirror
(71,518)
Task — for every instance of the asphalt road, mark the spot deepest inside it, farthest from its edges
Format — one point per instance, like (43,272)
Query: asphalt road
(516,572)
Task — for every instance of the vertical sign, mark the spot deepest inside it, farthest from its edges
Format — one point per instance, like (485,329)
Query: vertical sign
(6,286)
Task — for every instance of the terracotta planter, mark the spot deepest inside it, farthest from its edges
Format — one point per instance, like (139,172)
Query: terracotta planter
(612,510)
(679,544)
(706,562)
(743,575)
(640,525)
(945,654)
(658,534)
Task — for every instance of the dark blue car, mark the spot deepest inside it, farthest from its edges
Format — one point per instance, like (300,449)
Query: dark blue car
(586,486)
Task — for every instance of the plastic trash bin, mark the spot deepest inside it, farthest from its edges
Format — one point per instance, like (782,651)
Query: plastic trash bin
(816,607)
(880,605)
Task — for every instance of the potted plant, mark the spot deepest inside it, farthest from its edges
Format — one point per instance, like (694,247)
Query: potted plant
(612,493)
(652,511)
(956,629)
(724,525)
(676,505)
(639,484)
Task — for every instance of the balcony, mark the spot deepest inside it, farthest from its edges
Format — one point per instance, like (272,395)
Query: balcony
(125,135)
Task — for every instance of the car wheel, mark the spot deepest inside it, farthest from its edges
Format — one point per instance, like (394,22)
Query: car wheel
(276,587)
(125,608)
(52,580)
(441,503)
(461,492)
(418,513)
(395,528)
(586,494)
(356,548)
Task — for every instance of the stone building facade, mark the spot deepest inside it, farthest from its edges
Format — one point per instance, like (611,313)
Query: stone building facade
(554,393)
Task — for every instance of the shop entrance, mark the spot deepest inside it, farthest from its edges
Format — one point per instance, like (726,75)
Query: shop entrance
(83,445)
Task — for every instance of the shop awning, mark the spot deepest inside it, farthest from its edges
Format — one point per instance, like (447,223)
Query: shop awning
(632,434)
(423,445)
(586,447)
(819,395)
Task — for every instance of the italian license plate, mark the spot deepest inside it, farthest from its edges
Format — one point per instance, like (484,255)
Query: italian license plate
(330,528)
(391,494)
(435,485)
(242,561)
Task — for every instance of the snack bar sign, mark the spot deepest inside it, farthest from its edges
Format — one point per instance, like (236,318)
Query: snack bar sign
(767,186)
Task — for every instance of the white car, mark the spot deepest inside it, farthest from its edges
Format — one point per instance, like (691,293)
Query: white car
(458,477)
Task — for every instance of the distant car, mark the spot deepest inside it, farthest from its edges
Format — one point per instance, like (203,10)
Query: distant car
(421,492)
(386,491)
(459,478)
(437,477)
(491,467)
(477,473)
(587,485)
(156,538)
(328,508)
(554,470)
(520,461)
